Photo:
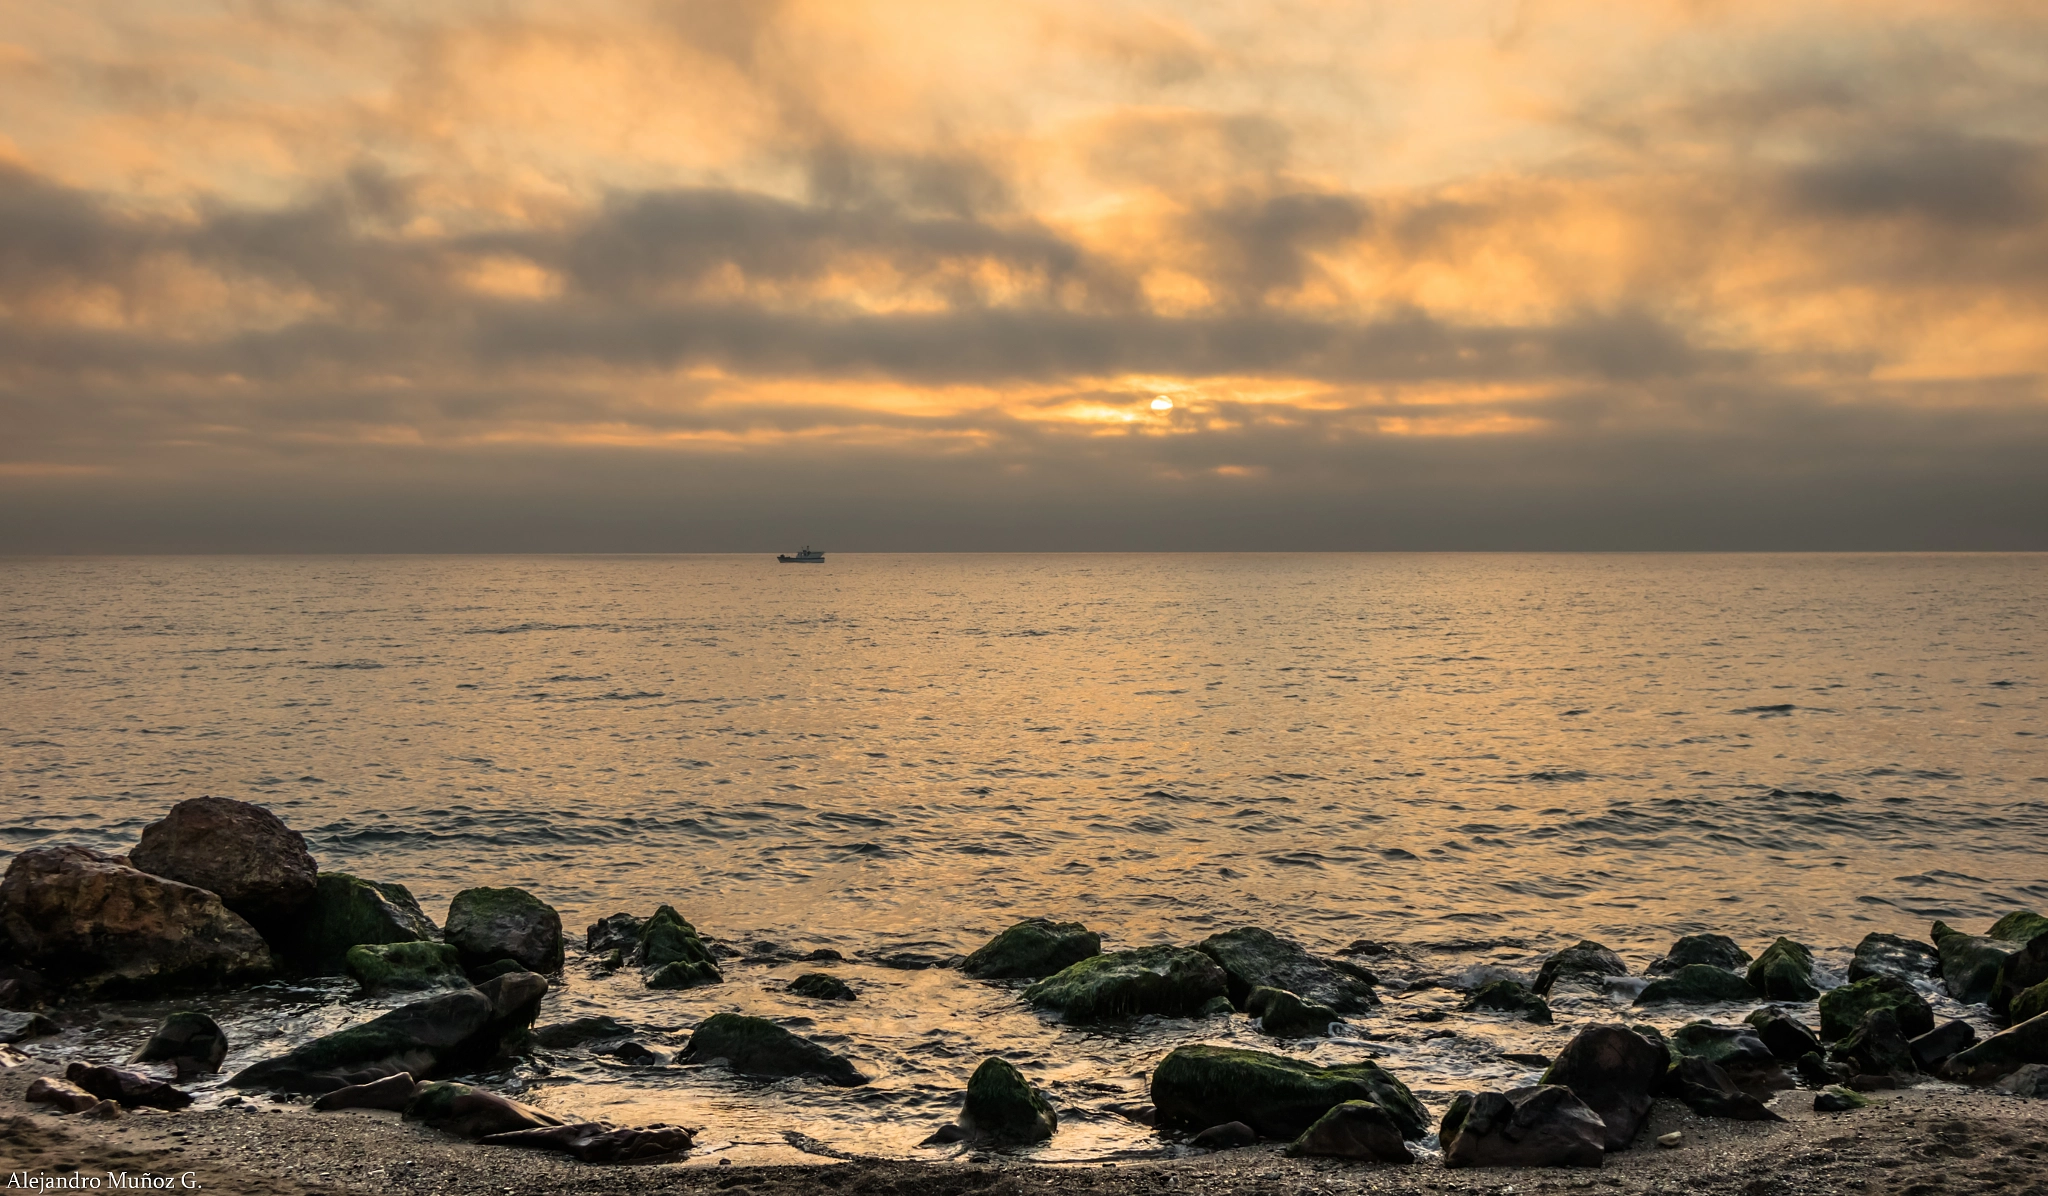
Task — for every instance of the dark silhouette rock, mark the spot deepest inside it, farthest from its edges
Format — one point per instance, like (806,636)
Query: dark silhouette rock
(487,925)
(821,986)
(240,852)
(1231,1135)
(1784,972)
(417,1039)
(382,968)
(1842,1009)
(348,911)
(596,1142)
(191,1042)
(2019,926)
(1696,984)
(1167,981)
(758,1047)
(1786,1037)
(1032,949)
(1002,1106)
(1969,963)
(2002,1054)
(491,971)
(1284,1015)
(1937,1046)
(2024,970)
(1254,958)
(469,1112)
(1510,996)
(1616,1072)
(1876,1047)
(20,1027)
(393,1093)
(579,1032)
(1204,1085)
(1895,956)
(1709,1091)
(131,1089)
(1359,1130)
(1541,1126)
(2030,1004)
(620,932)
(1588,961)
(1711,950)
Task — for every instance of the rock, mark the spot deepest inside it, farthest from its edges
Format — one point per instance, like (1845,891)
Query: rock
(1819,1073)
(1784,972)
(1671,1140)
(945,1135)
(348,911)
(1722,1045)
(1284,1015)
(1842,1009)
(1231,1135)
(1712,950)
(131,1088)
(61,1093)
(596,1142)
(2031,1080)
(682,974)
(1877,1046)
(1893,955)
(1969,964)
(668,938)
(491,971)
(2002,1054)
(1932,1049)
(1253,958)
(1786,1037)
(1838,1100)
(418,1039)
(98,924)
(620,932)
(637,1054)
(1357,1129)
(393,1092)
(515,1001)
(1510,996)
(1204,1085)
(821,986)
(1615,1071)
(2019,926)
(1697,983)
(1587,961)
(472,1112)
(1219,1006)
(1167,981)
(1541,1126)
(562,1035)
(2029,1004)
(382,968)
(240,852)
(487,925)
(1004,1107)
(191,1042)
(1708,1090)
(20,1027)
(2024,970)
(758,1047)
(1032,949)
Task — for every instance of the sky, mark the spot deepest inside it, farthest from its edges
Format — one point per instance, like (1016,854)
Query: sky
(632,276)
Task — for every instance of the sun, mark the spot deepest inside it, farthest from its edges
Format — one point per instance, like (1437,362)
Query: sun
(1162,403)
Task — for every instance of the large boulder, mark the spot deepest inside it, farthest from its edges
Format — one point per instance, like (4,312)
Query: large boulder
(1003,1106)
(1509,996)
(1167,981)
(2019,926)
(420,1038)
(2024,969)
(243,853)
(758,1047)
(1970,963)
(2002,1054)
(1545,1125)
(1734,1049)
(86,919)
(821,986)
(193,1043)
(1359,1130)
(1786,1036)
(1708,1090)
(1588,961)
(382,968)
(1893,955)
(2030,1004)
(1284,1015)
(1936,1047)
(1032,949)
(1696,984)
(596,1142)
(672,954)
(487,925)
(1616,1072)
(1712,950)
(1203,1085)
(1784,972)
(1254,958)
(1843,1008)
(348,911)
(1876,1047)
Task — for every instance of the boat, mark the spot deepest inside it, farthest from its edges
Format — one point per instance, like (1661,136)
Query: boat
(805,556)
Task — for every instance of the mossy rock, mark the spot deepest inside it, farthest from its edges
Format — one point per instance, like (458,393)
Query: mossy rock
(1784,972)
(1727,1047)
(1893,955)
(1284,1015)
(821,986)
(619,932)
(2002,1054)
(1003,1106)
(1032,949)
(2019,926)
(758,1047)
(1876,1046)
(487,925)
(1358,1130)
(1713,950)
(668,937)
(416,1038)
(1202,1085)
(683,974)
(1254,958)
(435,1101)
(1510,996)
(1837,1099)
(1698,984)
(1166,981)
(1842,1009)
(1786,1036)
(405,967)
(1970,963)
(348,911)
(2020,971)
(1586,961)
(2030,1004)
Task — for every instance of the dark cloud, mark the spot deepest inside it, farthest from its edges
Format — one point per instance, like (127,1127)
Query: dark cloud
(1940,176)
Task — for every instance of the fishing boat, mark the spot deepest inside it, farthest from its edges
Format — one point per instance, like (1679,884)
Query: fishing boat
(805,556)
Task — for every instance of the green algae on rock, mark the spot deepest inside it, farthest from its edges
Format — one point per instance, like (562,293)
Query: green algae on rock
(756,1046)
(2019,926)
(1166,981)
(821,986)
(672,953)
(417,1038)
(1285,1015)
(347,911)
(1510,996)
(1842,1009)
(1697,983)
(1004,1107)
(1254,958)
(1203,1085)
(1970,963)
(1031,950)
(1784,972)
(487,925)
(405,967)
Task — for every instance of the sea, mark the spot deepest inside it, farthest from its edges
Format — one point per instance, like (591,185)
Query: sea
(1468,760)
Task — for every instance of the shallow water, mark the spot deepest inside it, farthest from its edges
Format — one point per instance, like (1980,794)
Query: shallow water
(1479,757)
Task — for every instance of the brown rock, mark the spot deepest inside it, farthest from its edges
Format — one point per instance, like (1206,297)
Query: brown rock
(133,1089)
(258,866)
(62,1093)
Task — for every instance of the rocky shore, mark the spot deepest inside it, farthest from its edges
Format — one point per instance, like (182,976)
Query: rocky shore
(1810,1073)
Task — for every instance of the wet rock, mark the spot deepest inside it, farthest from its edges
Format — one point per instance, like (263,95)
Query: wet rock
(634,1053)
(20,987)
(1784,972)
(821,986)
(2019,926)
(348,911)
(1254,958)
(582,1030)
(1588,961)
(1817,1072)
(515,1001)
(1838,1100)
(1785,1036)
(2031,1080)
(1032,949)
(240,852)
(97,924)
(1231,1135)
(914,957)
(1709,1091)
(191,1042)
(596,1142)
(1357,1129)
(668,938)
(2002,1054)
(1510,996)
(1002,1106)
(1216,1007)
(491,971)
(620,932)
(1937,1046)
(1876,1047)
(1726,1047)
(1895,956)
(1204,1085)
(20,1027)
(1167,981)
(1616,1072)
(683,974)
(418,1039)
(472,1112)
(131,1088)
(2024,970)
(945,1135)
(1284,1015)
(382,968)
(2029,1004)
(61,1094)
(1711,950)
(1842,1009)
(487,925)
(1542,1126)
(1699,984)
(393,1092)
(1969,964)
(758,1047)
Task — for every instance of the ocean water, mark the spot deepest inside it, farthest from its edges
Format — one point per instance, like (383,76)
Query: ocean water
(1476,758)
